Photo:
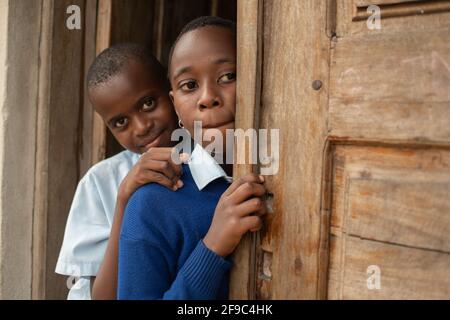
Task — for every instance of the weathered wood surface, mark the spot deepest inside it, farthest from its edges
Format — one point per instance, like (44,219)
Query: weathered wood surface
(370,148)
(249,24)
(390,208)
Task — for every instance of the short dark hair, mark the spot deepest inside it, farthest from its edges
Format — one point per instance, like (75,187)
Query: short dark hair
(112,60)
(201,22)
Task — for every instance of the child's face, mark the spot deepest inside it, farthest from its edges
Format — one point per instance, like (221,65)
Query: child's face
(136,108)
(203,78)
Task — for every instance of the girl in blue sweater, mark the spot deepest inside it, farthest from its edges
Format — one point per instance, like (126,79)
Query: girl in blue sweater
(178,247)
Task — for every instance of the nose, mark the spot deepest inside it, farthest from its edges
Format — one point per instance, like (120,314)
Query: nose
(209,98)
(142,125)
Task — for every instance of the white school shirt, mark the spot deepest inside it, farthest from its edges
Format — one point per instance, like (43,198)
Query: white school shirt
(204,168)
(89,222)
(91,215)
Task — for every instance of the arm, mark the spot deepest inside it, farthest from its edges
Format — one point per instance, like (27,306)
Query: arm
(147,268)
(149,257)
(154,166)
(104,286)
(146,271)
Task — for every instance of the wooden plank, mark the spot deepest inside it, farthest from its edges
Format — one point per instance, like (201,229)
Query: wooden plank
(400,93)
(366,3)
(103,39)
(39,252)
(19,89)
(296,52)
(393,195)
(394,19)
(86,128)
(242,281)
(394,8)
(405,273)
(66,104)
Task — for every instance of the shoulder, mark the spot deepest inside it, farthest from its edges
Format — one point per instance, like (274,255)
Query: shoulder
(122,161)
(150,198)
(158,197)
(111,170)
(153,213)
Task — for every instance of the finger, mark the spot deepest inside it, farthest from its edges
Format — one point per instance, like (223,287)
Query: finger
(247,178)
(164,155)
(251,223)
(163,167)
(246,191)
(254,206)
(163,163)
(263,211)
(156,150)
(159,178)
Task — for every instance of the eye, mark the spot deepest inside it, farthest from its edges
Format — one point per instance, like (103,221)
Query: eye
(121,122)
(148,104)
(189,85)
(227,77)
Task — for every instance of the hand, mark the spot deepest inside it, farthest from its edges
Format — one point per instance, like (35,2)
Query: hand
(155,165)
(233,216)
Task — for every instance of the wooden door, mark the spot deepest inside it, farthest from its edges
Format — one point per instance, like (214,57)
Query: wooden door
(362,198)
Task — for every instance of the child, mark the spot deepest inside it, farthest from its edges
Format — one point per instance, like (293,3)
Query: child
(171,249)
(128,88)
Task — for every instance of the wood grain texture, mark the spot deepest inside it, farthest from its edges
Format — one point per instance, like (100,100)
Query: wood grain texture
(296,52)
(66,104)
(39,252)
(249,24)
(391,87)
(406,273)
(390,208)
(389,115)
(103,41)
(394,19)
(88,113)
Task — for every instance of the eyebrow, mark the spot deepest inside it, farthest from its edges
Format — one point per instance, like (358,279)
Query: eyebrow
(189,68)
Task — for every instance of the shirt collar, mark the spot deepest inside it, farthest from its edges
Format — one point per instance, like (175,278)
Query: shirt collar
(204,168)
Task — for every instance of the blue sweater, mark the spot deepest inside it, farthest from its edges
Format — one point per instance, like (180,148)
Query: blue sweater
(161,252)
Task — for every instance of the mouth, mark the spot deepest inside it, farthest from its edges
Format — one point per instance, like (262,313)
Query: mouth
(218,124)
(150,143)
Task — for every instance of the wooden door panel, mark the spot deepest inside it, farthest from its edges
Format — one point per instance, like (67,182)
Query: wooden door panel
(393,195)
(364,119)
(406,272)
(391,87)
(389,114)
(390,208)
(396,16)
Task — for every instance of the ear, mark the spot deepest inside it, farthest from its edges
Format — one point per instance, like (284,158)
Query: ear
(172,99)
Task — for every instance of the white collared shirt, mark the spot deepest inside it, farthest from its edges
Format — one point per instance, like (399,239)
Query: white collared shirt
(91,214)
(204,168)
(89,222)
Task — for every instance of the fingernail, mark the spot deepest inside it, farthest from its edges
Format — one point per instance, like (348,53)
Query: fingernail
(180,184)
(261,178)
(175,188)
